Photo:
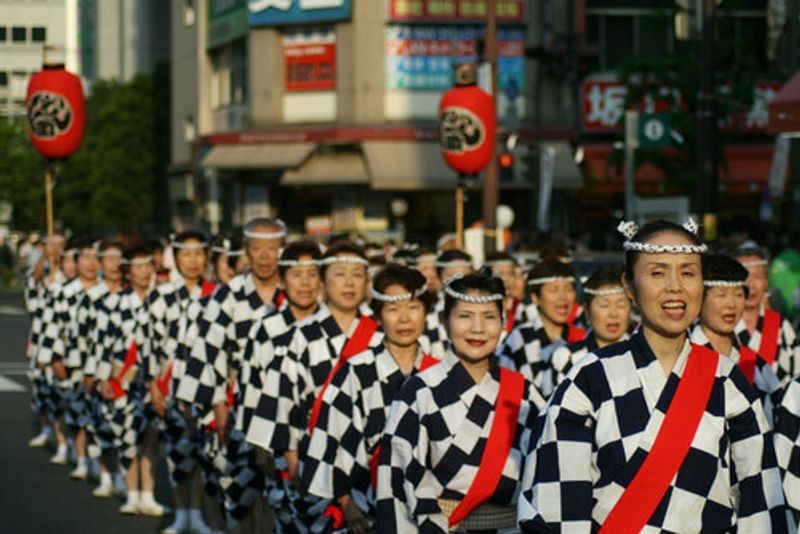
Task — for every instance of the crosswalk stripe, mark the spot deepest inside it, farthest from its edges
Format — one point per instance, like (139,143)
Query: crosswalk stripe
(12,310)
(9,386)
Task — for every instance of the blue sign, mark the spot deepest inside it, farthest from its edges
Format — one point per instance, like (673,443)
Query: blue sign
(285,12)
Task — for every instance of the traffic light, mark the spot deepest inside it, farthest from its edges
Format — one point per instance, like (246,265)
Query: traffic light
(506,163)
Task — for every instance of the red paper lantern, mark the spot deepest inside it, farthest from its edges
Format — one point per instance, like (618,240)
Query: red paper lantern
(55,112)
(467,124)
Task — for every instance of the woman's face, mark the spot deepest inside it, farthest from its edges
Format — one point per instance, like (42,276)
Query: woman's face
(520,283)
(302,284)
(222,270)
(722,308)
(427,266)
(111,263)
(140,274)
(345,284)
(403,322)
(757,282)
(87,264)
(507,273)
(474,329)
(555,301)
(69,266)
(610,315)
(191,262)
(668,288)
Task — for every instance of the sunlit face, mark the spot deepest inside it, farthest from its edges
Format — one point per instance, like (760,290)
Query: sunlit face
(427,266)
(452,270)
(263,253)
(55,246)
(111,263)
(222,270)
(668,288)
(140,274)
(191,262)
(555,301)
(757,282)
(474,329)
(302,284)
(507,273)
(158,258)
(722,308)
(242,264)
(520,283)
(69,266)
(87,264)
(609,315)
(403,322)
(345,284)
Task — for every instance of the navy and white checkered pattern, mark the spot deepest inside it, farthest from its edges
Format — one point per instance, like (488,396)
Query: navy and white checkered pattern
(528,350)
(434,338)
(604,418)
(787,359)
(565,357)
(433,443)
(354,410)
(787,445)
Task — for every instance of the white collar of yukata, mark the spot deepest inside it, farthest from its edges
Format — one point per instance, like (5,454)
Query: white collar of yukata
(250,234)
(298,263)
(724,283)
(474,299)
(549,279)
(189,246)
(399,298)
(629,229)
(603,292)
(754,263)
(343,259)
(141,260)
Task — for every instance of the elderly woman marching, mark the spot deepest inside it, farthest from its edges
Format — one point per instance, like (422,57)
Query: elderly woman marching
(655,433)
(453,448)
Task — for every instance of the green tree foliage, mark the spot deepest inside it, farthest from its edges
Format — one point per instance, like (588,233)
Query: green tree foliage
(21,178)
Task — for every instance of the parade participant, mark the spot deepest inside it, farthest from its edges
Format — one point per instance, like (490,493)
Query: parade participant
(761,329)
(453,448)
(448,264)
(216,362)
(609,312)
(724,299)
(530,346)
(222,271)
(425,262)
(403,257)
(342,456)
(303,366)
(160,339)
(787,445)
(503,265)
(647,429)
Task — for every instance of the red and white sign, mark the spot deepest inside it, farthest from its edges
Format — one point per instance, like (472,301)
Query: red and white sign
(604,106)
(309,60)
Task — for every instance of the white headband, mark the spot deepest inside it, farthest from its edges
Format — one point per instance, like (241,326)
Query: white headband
(189,246)
(344,259)
(399,298)
(493,263)
(548,279)
(298,263)
(250,234)
(754,263)
(474,299)
(603,292)
(724,283)
(141,260)
(106,253)
(629,229)
(453,263)
(69,251)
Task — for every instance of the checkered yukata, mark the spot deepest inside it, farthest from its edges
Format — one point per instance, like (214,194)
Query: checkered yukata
(433,443)
(787,359)
(600,425)
(787,445)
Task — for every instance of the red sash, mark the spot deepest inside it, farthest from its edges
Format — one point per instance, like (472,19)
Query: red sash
(501,438)
(131,358)
(645,491)
(206,288)
(358,342)
(575,334)
(511,318)
(770,331)
(279,299)
(163,382)
(576,309)
(747,363)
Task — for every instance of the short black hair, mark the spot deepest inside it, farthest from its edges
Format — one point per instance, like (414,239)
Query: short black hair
(139,250)
(106,244)
(296,250)
(500,256)
(547,268)
(423,251)
(723,267)
(190,235)
(751,250)
(342,247)
(409,279)
(79,243)
(649,230)
(482,281)
(610,275)
(451,255)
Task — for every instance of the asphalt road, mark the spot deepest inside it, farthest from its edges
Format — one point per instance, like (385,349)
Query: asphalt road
(36,497)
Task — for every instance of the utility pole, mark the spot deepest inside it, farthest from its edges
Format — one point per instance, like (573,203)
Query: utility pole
(707,112)
(491,180)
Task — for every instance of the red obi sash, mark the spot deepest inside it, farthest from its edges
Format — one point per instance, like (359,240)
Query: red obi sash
(131,358)
(747,363)
(511,318)
(770,331)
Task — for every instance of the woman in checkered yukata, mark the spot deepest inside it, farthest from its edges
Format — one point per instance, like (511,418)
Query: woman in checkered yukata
(655,433)
(453,447)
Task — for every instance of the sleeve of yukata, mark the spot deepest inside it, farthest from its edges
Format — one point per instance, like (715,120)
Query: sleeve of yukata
(788,353)
(556,490)
(787,445)
(32,294)
(303,395)
(757,493)
(337,447)
(149,335)
(107,334)
(508,349)
(92,339)
(51,340)
(408,491)
(206,379)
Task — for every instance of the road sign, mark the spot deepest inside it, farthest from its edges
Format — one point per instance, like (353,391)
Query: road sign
(654,129)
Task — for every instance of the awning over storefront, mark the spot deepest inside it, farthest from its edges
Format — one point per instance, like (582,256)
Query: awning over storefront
(784,109)
(257,156)
(332,168)
(407,165)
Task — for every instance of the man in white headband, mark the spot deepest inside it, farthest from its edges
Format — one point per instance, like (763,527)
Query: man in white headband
(762,329)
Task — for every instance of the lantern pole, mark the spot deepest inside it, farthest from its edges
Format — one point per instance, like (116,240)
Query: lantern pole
(491,179)
(460,214)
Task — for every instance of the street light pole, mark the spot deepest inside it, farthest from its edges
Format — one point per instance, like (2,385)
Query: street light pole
(491,181)
(707,125)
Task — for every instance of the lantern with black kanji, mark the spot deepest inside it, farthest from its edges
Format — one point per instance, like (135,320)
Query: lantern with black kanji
(55,112)
(467,124)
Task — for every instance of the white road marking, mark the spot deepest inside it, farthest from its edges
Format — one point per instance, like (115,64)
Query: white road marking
(14,368)
(9,386)
(12,310)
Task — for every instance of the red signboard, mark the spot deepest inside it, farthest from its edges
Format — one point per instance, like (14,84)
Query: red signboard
(603,104)
(309,64)
(470,11)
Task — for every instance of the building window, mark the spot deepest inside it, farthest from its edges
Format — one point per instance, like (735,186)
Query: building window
(3,78)
(229,75)
(3,34)
(188,12)
(38,34)
(19,34)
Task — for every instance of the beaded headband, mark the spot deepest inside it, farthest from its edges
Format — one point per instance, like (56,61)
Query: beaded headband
(343,259)
(473,299)
(189,246)
(454,263)
(754,263)
(724,283)
(629,229)
(399,298)
(603,292)
(268,235)
(548,279)
(140,260)
(298,263)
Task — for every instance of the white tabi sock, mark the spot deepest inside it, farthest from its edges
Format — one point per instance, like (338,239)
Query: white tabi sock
(133,498)
(105,479)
